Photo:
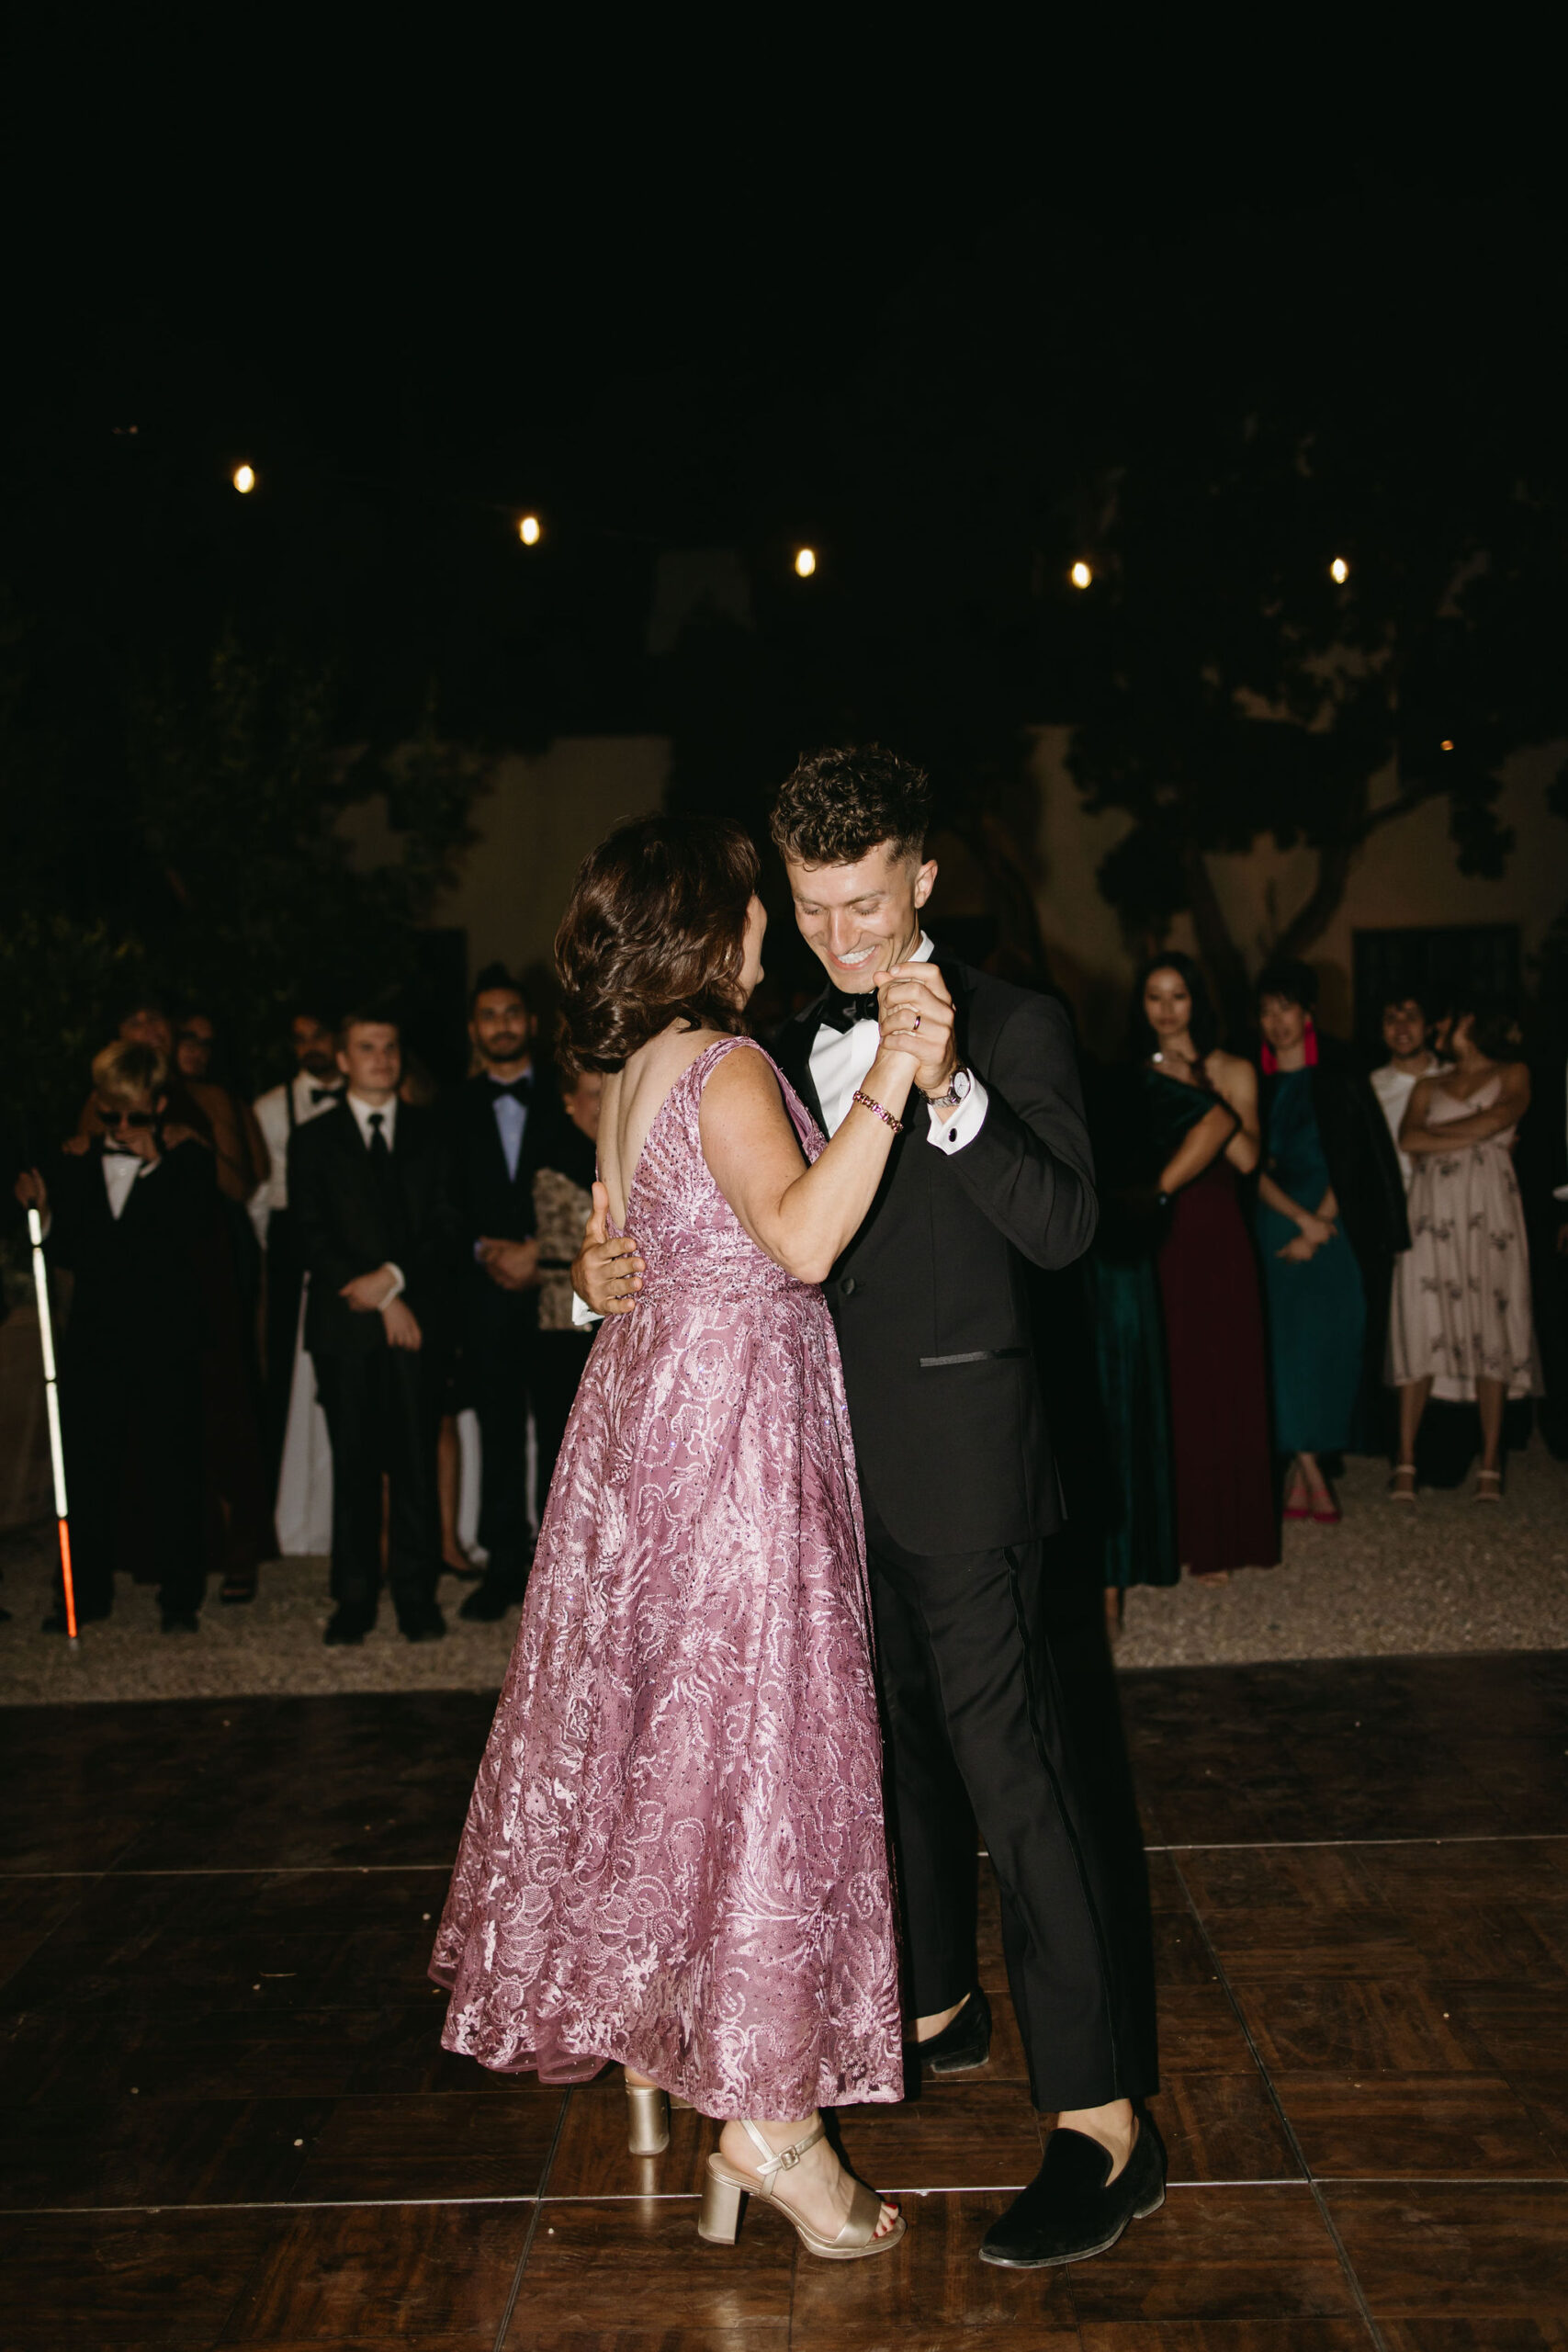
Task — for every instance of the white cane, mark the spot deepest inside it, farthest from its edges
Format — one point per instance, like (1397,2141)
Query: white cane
(51,1392)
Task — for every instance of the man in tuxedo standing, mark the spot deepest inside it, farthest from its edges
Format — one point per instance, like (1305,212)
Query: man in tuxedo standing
(990,1178)
(498,1123)
(370,1188)
(130,1214)
(317,1085)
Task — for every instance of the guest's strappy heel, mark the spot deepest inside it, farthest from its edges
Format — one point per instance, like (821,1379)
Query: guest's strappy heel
(1489,1486)
(726,2186)
(1398,1494)
(648,2119)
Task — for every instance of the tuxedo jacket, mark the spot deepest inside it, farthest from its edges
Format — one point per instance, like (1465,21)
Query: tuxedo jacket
(932,1299)
(139,1294)
(349,1223)
(491,1201)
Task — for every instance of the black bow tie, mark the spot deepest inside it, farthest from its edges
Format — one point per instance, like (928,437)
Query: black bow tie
(520,1089)
(325,1094)
(842,1011)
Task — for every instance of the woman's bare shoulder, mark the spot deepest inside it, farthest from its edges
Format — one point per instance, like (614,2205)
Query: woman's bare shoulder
(1231,1075)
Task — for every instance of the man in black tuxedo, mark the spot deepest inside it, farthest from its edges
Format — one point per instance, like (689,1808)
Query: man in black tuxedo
(991,1179)
(499,1124)
(369,1187)
(131,1213)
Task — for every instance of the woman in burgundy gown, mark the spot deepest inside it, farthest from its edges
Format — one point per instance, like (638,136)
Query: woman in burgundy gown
(1203,1104)
(675,1855)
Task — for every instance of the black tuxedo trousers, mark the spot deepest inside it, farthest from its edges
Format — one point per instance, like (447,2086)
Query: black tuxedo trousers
(977,1736)
(383,1415)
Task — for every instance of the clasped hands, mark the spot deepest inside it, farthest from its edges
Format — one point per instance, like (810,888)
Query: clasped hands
(915,1013)
(1314,1232)
(366,1294)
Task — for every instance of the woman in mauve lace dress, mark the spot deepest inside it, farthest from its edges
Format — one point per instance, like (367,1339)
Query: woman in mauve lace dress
(675,1855)
(1460,1326)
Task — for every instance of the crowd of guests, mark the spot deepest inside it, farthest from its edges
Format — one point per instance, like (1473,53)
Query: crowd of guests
(280,1313)
(339,1320)
(1296,1254)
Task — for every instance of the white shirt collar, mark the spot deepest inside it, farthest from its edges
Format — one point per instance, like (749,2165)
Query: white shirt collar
(363,1111)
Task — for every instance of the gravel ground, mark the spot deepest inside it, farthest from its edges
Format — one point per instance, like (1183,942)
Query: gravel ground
(1449,1575)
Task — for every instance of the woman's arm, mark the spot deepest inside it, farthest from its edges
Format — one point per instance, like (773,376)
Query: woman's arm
(801,1217)
(1198,1147)
(1235,1083)
(1416,1136)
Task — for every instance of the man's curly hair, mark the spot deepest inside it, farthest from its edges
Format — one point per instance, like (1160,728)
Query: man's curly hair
(839,804)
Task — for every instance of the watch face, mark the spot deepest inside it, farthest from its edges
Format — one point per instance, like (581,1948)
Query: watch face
(959,1085)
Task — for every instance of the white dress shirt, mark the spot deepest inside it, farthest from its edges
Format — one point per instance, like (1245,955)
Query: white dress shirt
(842,1060)
(311,1099)
(1393,1089)
(511,1123)
(121,1170)
(388,1115)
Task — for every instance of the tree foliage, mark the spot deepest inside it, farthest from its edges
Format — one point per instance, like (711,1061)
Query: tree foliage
(239,886)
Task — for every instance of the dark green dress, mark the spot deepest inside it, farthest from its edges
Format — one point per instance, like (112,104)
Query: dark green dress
(1317,1311)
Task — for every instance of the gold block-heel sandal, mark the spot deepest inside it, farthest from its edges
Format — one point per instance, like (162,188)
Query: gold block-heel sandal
(648,2119)
(725,2186)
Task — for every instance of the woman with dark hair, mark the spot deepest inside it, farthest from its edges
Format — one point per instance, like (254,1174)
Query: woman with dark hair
(1200,1107)
(675,1855)
(1330,1222)
(1461,1326)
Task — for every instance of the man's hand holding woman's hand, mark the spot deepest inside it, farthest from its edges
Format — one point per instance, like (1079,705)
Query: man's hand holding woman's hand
(607,1271)
(916,1017)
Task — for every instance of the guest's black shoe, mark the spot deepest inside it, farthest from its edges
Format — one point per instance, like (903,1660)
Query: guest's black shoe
(962,2047)
(1070,2211)
(348,1627)
(55,1621)
(491,1599)
(180,1621)
(424,1624)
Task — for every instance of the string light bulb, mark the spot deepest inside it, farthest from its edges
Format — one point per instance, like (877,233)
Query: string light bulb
(1340,571)
(530,530)
(1447,744)
(1081,575)
(245,480)
(804,562)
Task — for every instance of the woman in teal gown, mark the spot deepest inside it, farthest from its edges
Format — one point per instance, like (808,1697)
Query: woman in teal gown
(1313,1288)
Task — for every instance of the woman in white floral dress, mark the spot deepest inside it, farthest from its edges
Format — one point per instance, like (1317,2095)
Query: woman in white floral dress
(1460,1325)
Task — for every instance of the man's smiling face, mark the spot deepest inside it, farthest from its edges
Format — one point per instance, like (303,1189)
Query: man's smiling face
(860,920)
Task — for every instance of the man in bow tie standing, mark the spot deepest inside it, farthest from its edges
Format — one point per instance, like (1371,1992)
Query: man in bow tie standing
(990,1176)
(499,1123)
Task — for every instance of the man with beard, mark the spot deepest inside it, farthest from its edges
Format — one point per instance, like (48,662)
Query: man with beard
(498,1125)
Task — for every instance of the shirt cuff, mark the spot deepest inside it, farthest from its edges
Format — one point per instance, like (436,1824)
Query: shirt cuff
(962,1126)
(399,1285)
(582,1316)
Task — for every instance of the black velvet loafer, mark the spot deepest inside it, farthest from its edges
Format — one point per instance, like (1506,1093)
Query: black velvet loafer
(1070,2211)
(961,2048)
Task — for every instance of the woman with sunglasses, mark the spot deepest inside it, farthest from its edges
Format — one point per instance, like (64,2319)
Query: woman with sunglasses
(131,1212)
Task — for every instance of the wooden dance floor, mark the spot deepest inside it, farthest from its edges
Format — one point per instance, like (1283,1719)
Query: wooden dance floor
(227,2120)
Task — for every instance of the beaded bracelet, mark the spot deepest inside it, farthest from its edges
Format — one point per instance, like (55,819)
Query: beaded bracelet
(885,1116)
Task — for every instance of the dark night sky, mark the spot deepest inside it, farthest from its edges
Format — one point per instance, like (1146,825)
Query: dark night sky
(423,278)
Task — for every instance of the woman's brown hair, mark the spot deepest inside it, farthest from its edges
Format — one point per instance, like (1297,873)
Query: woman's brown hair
(654,933)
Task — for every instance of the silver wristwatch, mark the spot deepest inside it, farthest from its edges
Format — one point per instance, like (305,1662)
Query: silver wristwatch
(959,1087)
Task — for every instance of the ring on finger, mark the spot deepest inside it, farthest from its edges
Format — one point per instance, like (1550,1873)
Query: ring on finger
(917,1024)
